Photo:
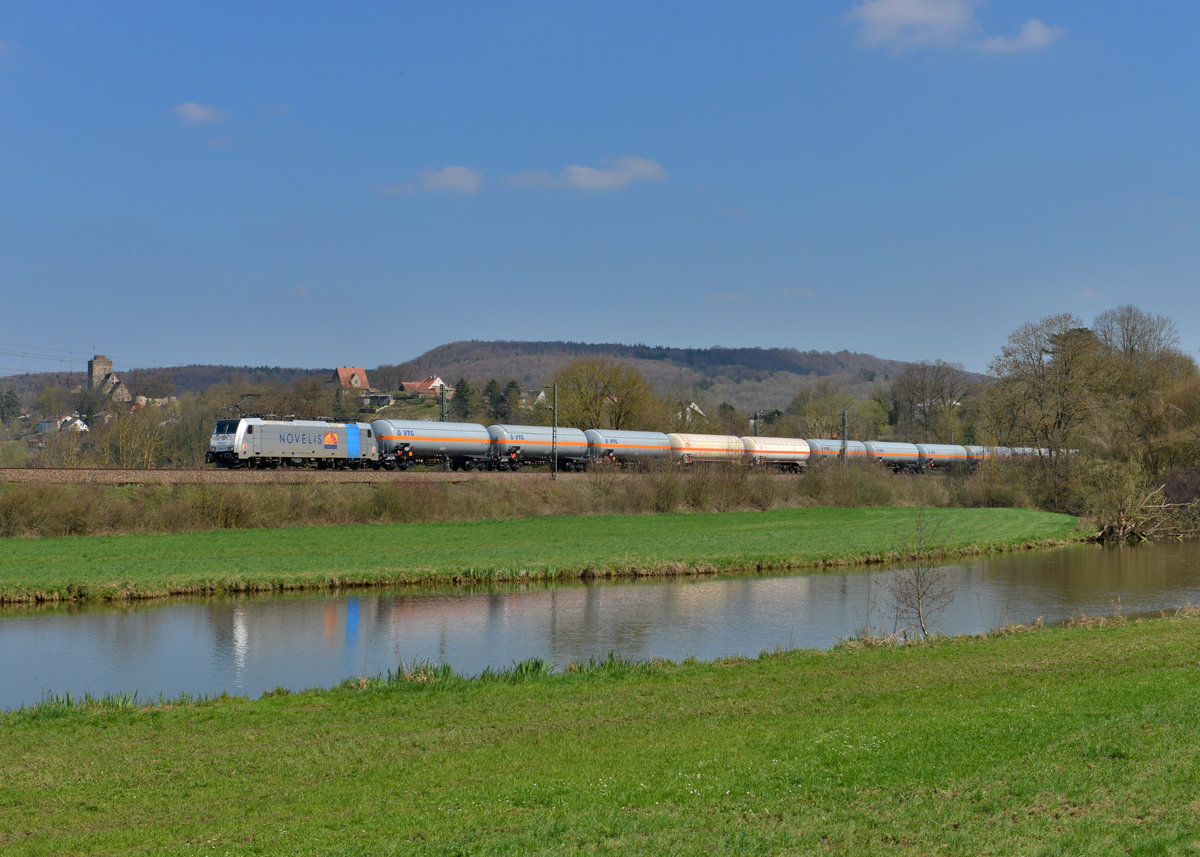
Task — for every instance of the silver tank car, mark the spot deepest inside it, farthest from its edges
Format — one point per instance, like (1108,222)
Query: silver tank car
(406,442)
(823,449)
(935,455)
(786,453)
(898,456)
(976,454)
(626,446)
(513,446)
(687,448)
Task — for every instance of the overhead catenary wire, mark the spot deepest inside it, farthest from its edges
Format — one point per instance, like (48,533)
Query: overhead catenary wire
(69,360)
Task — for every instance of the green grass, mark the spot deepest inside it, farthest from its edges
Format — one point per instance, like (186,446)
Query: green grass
(1064,741)
(114,567)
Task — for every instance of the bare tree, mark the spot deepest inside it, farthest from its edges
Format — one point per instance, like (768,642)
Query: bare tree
(925,398)
(1133,332)
(922,591)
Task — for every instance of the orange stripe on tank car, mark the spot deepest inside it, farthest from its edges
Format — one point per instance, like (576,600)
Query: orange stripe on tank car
(434,439)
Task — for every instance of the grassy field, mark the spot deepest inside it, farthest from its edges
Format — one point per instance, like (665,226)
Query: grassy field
(116,567)
(1081,740)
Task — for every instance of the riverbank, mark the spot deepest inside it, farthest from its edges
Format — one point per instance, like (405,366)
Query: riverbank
(114,568)
(1066,740)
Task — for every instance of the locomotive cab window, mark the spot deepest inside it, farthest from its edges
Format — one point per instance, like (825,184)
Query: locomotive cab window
(225,427)
(249,429)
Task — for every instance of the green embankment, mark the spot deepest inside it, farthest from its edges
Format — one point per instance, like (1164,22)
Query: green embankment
(1064,741)
(115,567)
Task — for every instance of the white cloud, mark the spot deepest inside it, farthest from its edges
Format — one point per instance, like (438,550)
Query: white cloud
(445,180)
(905,25)
(622,171)
(1086,294)
(191,113)
(1033,37)
(616,173)
(455,179)
(613,175)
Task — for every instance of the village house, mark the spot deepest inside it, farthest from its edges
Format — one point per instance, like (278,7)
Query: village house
(355,378)
(70,422)
(431,386)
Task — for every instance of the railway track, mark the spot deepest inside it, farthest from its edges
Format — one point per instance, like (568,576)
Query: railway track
(212,476)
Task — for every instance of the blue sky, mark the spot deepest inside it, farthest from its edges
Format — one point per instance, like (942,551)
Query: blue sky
(353,184)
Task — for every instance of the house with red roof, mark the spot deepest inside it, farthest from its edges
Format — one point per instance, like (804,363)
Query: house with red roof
(431,386)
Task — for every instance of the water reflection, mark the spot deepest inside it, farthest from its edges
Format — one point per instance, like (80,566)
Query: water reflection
(250,645)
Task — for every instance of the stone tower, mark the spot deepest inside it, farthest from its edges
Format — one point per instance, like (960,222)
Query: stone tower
(99,368)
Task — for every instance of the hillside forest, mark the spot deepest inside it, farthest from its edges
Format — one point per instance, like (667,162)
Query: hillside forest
(1116,405)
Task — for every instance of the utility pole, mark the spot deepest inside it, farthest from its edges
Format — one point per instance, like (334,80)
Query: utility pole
(844,425)
(554,437)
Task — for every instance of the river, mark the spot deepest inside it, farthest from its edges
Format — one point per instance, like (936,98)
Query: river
(248,645)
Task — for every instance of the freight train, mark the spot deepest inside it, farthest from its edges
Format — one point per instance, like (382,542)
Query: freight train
(399,444)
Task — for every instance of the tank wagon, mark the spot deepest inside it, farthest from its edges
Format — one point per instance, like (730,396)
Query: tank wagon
(261,442)
(514,446)
(934,455)
(898,456)
(786,453)
(690,448)
(403,443)
(823,449)
(625,447)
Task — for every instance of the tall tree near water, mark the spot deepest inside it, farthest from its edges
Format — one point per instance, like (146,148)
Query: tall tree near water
(1154,388)
(1049,394)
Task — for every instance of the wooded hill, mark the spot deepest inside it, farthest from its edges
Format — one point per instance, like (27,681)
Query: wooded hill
(747,378)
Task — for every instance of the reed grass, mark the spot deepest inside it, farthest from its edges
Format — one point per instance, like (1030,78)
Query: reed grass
(48,510)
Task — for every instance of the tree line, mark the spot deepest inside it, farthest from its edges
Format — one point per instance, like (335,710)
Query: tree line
(1116,402)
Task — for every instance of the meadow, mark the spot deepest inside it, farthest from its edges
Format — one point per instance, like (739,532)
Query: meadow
(84,568)
(1079,740)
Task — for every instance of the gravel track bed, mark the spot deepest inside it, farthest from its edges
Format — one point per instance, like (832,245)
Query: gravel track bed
(106,476)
